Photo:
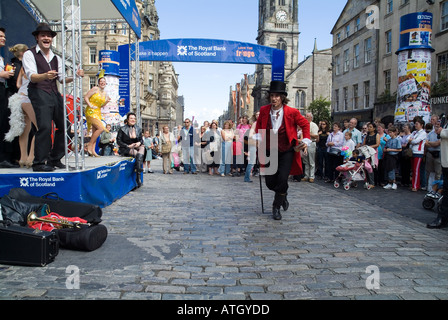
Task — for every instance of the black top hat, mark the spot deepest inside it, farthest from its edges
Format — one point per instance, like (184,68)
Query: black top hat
(278,87)
(43,27)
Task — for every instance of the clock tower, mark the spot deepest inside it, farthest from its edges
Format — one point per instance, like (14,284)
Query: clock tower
(278,27)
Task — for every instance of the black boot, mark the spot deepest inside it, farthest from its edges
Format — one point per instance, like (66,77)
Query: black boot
(285,204)
(138,169)
(279,201)
(276,213)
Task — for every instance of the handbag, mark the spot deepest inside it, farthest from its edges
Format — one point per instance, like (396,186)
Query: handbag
(16,212)
(166,147)
(334,151)
(407,153)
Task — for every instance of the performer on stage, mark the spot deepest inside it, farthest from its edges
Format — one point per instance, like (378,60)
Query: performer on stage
(43,68)
(281,121)
(95,99)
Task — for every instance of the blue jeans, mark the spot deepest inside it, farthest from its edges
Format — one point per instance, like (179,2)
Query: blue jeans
(226,150)
(188,155)
(251,161)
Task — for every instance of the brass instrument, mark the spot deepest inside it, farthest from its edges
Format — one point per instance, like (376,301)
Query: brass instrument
(59,223)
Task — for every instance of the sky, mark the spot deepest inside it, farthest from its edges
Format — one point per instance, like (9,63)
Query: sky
(206,86)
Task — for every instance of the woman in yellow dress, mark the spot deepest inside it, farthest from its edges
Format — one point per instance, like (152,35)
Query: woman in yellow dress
(95,99)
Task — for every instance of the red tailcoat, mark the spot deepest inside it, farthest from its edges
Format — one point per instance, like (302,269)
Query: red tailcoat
(291,118)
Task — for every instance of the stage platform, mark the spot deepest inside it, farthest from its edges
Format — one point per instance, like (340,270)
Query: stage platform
(102,181)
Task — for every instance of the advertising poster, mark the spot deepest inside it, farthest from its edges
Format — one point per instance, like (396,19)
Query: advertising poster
(414,85)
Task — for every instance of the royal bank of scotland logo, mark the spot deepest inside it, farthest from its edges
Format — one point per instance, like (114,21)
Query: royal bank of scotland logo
(182,50)
(24,182)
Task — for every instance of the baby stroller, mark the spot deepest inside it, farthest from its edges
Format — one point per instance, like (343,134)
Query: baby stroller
(350,174)
(433,197)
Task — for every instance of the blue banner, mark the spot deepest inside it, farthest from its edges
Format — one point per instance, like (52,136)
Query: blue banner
(129,11)
(206,50)
(100,186)
(124,91)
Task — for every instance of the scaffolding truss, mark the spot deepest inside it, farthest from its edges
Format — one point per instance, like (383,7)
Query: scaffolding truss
(70,24)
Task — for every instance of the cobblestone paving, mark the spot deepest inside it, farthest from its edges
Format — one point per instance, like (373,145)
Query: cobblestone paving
(205,237)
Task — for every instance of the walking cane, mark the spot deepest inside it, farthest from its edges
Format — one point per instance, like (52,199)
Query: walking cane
(261,187)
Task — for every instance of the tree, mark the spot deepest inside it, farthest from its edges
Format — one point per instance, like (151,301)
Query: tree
(320,108)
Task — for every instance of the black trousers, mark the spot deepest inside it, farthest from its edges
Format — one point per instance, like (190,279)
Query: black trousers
(5,112)
(48,107)
(278,182)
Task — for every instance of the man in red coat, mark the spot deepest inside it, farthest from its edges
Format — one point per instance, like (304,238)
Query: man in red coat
(277,127)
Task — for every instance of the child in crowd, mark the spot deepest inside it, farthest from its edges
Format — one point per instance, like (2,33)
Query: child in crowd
(356,157)
(348,142)
(391,151)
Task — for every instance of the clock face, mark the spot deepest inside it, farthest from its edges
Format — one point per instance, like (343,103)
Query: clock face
(281,16)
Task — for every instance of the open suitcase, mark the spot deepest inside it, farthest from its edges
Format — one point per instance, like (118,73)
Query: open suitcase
(86,238)
(26,246)
(90,212)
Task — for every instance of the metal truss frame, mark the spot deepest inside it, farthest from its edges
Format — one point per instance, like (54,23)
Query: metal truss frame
(71,49)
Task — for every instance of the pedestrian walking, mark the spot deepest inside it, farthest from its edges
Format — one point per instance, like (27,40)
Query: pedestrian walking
(278,122)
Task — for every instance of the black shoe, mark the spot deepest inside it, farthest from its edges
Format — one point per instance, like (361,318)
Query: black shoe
(438,223)
(43,168)
(285,204)
(57,164)
(8,165)
(276,213)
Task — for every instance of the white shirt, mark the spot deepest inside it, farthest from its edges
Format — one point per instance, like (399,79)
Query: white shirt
(276,121)
(2,67)
(29,63)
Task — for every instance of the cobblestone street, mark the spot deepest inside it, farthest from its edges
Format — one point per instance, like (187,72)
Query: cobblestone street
(204,237)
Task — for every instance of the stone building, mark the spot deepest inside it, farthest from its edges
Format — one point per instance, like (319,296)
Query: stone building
(278,27)
(355,62)
(390,13)
(310,80)
(365,72)
(158,81)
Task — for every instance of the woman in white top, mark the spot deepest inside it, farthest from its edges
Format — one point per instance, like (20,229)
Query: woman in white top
(22,113)
(417,143)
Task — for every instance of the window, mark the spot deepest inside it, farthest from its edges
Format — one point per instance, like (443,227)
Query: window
(301,100)
(346,60)
(123,29)
(356,56)
(442,66)
(387,80)
(368,50)
(347,31)
(355,97)
(281,45)
(389,41)
(345,98)
(113,47)
(92,55)
(93,29)
(366,94)
(92,82)
(338,37)
(389,6)
(336,100)
(357,24)
(281,2)
(113,28)
(444,16)
(337,63)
